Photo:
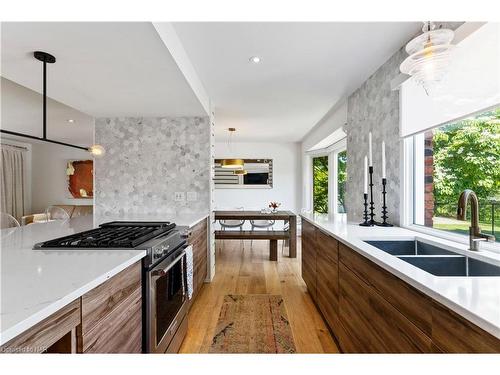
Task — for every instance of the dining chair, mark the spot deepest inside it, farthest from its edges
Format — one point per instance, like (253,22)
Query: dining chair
(8,221)
(232,224)
(56,213)
(261,224)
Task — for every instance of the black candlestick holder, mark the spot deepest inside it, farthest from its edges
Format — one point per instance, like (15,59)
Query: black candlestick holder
(372,204)
(366,222)
(384,222)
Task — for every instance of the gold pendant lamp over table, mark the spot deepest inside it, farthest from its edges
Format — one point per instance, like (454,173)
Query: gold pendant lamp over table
(231,163)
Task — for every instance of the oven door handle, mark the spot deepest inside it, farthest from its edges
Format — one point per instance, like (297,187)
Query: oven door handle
(163,272)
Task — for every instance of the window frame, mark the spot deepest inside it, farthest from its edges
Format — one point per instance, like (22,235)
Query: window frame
(332,153)
(407,206)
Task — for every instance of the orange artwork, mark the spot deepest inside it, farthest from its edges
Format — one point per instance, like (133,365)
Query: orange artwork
(80,178)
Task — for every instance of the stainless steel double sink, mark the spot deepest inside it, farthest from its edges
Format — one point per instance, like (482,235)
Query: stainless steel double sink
(435,260)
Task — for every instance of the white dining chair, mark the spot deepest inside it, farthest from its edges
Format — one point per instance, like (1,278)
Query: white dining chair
(261,224)
(56,213)
(231,225)
(8,221)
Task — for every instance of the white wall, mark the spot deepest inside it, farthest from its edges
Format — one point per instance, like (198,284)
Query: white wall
(335,119)
(49,184)
(286,176)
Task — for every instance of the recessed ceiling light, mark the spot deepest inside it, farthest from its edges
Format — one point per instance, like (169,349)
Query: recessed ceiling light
(71,121)
(254,59)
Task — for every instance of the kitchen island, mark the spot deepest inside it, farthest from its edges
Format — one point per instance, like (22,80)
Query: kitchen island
(37,285)
(376,302)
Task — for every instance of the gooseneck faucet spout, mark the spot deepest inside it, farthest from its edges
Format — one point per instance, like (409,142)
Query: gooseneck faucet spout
(475,234)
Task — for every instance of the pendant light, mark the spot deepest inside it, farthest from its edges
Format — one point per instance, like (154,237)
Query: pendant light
(231,163)
(47,58)
(429,56)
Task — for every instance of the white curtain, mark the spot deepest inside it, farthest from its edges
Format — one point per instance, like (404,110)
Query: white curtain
(12,169)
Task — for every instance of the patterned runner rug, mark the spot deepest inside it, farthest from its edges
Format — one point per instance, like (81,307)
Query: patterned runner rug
(253,323)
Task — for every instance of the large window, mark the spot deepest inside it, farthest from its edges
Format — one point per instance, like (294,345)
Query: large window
(341,180)
(454,157)
(320,184)
(329,176)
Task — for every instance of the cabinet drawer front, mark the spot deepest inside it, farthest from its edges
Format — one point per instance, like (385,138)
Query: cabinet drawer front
(101,301)
(198,231)
(372,324)
(327,290)
(309,277)
(120,331)
(41,336)
(308,231)
(413,304)
(454,334)
(327,246)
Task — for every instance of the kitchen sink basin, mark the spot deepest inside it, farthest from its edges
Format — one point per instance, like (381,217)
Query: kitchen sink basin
(436,260)
(452,265)
(410,247)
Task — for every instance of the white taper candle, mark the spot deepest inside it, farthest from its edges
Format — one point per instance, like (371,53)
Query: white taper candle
(370,154)
(366,176)
(383,159)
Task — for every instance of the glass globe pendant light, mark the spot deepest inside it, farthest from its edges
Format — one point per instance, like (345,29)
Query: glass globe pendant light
(429,56)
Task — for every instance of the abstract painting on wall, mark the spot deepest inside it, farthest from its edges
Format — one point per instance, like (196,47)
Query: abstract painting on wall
(80,178)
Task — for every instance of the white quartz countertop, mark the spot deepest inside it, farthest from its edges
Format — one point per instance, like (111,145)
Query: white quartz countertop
(475,298)
(37,283)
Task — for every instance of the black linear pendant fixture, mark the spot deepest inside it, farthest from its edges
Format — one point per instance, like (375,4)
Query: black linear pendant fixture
(47,58)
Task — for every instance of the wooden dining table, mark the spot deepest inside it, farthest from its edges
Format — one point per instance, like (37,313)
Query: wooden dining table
(271,235)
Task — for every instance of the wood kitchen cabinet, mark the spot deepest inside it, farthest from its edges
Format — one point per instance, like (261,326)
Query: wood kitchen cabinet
(413,304)
(112,315)
(107,319)
(198,238)
(370,310)
(373,325)
(54,334)
(453,334)
(309,249)
(327,278)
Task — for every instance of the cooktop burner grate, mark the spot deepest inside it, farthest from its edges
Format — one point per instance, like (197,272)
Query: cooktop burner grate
(112,235)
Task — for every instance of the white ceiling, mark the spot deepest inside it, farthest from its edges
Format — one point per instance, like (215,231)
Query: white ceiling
(305,69)
(22,113)
(102,69)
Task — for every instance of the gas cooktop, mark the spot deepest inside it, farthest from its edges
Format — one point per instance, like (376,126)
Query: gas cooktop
(113,235)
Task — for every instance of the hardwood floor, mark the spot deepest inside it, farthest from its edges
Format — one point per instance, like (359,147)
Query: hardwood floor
(249,271)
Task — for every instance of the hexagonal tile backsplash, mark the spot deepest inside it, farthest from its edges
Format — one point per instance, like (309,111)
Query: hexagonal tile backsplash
(147,160)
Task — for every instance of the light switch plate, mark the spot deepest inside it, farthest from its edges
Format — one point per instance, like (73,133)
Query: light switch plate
(179,196)
(192,196)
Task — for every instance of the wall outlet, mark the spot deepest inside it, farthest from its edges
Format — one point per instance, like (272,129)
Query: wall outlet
(192,196)
(179,196)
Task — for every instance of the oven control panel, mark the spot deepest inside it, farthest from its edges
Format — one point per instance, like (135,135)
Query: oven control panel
(164,247)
